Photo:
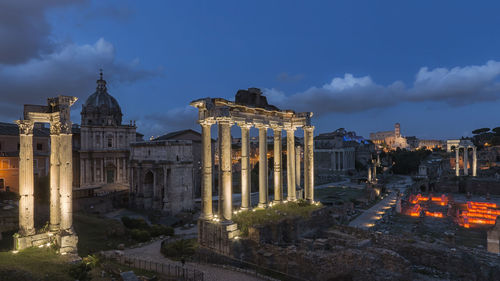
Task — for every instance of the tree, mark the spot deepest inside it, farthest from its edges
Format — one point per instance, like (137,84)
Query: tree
(496,131)
(480,131)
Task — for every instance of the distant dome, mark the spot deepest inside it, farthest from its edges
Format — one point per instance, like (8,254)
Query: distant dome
(101,109)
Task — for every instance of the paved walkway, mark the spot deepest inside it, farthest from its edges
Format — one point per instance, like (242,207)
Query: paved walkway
(151,252)
(370,217)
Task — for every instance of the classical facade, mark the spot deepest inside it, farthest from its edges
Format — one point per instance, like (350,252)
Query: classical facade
(249,109)
(466,147)
(104,140)
(162,175)
(57,114)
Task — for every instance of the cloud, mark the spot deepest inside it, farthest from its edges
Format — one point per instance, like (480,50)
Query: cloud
(455,86)
(70,70)
(24,29)
(178,118)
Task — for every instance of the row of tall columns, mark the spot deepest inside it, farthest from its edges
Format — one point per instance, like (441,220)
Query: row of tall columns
(61,177)
(225,198)
(342,160)
(466,160)
(298,151)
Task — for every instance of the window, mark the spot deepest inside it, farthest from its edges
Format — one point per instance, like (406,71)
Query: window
(0,146)
(39,146)
(2,183)
(110,142)
(35,163)
(18,146)
(97,140)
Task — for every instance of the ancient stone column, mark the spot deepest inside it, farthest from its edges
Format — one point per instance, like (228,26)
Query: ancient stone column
(297,167)
(206,178)
(290,168)
(344,164)
(55,208)
(225,163)
(66,177)
(309,163)
(245,166)
(26,188)
(466,159)
(474,162)
(369,174)
(457,161)
(374,172)
(263,182)
(278,179)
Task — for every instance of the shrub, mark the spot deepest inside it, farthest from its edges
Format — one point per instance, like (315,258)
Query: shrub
(81,270)
(179,249)
(158,229)
(133,223)
(140,235)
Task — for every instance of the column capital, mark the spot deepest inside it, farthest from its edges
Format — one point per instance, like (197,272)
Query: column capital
(225,121)
(308,128)
(206,122)
(290,128)
(277,128)
(25,127)
(55,128)
(244,125)
(262,126)
(66,127)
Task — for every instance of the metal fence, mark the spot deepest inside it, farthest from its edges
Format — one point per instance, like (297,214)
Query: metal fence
(169,270)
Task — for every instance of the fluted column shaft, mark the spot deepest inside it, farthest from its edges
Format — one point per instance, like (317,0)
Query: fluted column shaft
(206,155)
(457,161)
(278,179)
(466,160)
(309,163)
(245,167)
(290,169)
(297,167)
(474,162)
(227,186)
(26,184)
(55,210)
(66,180)
(263,182)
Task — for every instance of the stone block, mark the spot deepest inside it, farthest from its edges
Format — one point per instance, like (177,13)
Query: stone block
(68,243)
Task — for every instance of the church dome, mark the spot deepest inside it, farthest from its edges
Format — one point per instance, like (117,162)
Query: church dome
(101,108)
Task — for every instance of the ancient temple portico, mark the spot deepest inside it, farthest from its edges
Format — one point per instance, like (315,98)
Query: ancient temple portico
(465,146)
(250,109)
(57,114)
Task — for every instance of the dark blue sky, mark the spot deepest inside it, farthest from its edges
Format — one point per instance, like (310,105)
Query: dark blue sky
(433,66)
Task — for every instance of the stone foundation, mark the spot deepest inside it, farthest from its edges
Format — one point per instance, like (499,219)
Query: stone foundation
(217,236)
(66,242)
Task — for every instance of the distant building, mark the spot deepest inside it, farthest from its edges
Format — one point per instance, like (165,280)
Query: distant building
(195,138)
(392,140)
(162,175)
(104,141)
(338,151)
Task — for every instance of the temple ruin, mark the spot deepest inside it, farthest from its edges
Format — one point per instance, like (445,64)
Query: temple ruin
(61,233)
(250,109)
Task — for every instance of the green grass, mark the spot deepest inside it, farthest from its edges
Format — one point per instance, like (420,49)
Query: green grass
(98,234)
(34,264)
(273,214)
